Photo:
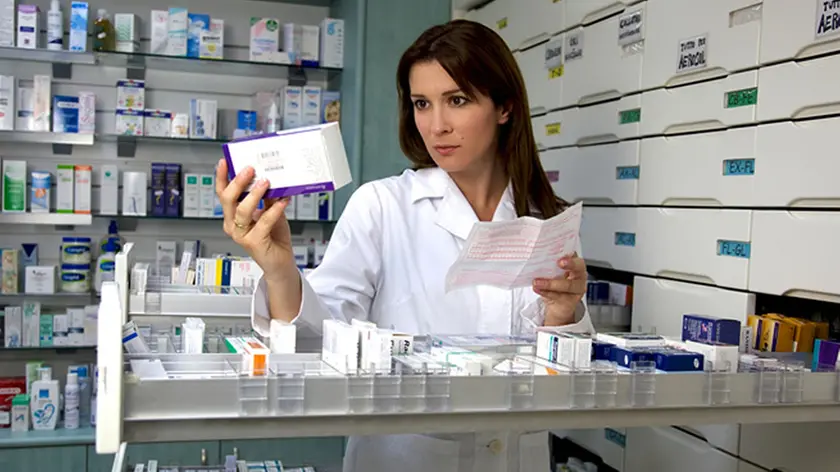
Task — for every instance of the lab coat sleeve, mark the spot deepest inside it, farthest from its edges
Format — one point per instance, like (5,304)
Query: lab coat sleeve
(532,315)
(344,285)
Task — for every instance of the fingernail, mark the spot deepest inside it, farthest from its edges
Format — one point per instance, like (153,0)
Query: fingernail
(263,183)
(539,283)
(564,263)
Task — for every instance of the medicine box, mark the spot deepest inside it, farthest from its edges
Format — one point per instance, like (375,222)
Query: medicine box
(332,43)
(173,189)
(160,31)
(265,39)
(177,26)
(212,41)
(127,36)
(191,195)
(131,94)
(28,29)
(7,102)
(302,161)
(709,329)
(65,114)
(672,360)
(198,24)
(631,340)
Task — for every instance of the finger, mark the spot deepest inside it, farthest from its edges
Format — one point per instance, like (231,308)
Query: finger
(270,218)
(571,263)
(559,286)
(230,195)
(221,177)
(246,208)
(267,203)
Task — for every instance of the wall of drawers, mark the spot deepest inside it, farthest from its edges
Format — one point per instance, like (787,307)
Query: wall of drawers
(699,135)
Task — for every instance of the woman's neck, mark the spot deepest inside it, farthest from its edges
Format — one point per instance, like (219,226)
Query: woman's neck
(483,190)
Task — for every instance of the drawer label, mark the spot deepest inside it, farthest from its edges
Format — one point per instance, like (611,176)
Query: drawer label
(741,98)
(502,23)
(552,128)
(692,54)
(555,73)
(739,167)
(630,29)
(627,173)
(733,248)
(574,46)
(828,18)
(626,117)
(625,239)
(615,437)
(554,54)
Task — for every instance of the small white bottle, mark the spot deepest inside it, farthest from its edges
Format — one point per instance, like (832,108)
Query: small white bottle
(55,27)
(105,265)
(44,401)
(71,402)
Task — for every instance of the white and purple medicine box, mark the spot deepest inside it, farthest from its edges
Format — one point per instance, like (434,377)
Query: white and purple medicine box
(299,161)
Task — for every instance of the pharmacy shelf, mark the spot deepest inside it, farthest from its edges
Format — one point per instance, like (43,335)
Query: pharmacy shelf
(48,299)
(45,55)
(55,219)
(36,137)
(203,301)
(56,437)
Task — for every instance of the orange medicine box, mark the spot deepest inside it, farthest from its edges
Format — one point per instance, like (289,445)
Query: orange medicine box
(776,335)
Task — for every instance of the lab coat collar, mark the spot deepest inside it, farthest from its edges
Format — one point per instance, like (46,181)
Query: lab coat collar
(455,214)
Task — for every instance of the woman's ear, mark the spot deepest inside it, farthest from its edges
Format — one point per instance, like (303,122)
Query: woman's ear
(503,114)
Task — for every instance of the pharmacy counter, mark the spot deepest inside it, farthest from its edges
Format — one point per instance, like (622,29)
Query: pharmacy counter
(57,437)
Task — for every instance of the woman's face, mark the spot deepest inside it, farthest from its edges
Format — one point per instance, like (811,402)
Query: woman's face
(459,132)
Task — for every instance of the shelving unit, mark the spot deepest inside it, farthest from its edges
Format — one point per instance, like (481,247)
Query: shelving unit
(65,220)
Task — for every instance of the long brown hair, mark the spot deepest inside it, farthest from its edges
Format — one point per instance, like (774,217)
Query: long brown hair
(480,62)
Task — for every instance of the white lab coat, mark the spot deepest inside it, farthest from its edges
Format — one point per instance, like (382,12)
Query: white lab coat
(386,262)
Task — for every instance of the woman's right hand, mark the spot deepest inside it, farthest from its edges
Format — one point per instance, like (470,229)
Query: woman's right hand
(265,233)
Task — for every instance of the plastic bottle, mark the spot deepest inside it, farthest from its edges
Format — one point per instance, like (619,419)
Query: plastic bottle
(103,32)
(272,122)
(71,402)
(105,265)
(113,234)
(44,401)
(55,27)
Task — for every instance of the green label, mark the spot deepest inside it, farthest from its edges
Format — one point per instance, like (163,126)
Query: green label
(630,116)
(741,98)
(207,180)
(192,180)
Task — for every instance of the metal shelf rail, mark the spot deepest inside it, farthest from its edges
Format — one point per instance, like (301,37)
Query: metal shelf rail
(207,397)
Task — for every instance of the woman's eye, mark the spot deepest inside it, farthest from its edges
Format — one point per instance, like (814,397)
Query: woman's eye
(420,104)
(459,101)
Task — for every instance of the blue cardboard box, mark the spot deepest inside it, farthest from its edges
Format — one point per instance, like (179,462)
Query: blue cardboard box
(708,329)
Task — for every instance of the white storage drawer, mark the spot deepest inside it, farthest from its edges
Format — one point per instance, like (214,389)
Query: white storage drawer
(743,167)
(698,107)
(595,441)
(709,246)
(608,237)
(798,29)
(504,18)
(686,42)
(792,162)
(551,130)
(584,12)
(795,90)
(795,253)
(605,69)
(545,90)
(659,305)
(666,449)
(542,18)
(605,174)
(694,169)
(603,122)
(805,447)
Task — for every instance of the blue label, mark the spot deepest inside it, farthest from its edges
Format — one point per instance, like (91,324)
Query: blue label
(71,277)
(733,248)
(627,173)
(739,167)
(625,239)
(614,436)
(75,250)
(107,266)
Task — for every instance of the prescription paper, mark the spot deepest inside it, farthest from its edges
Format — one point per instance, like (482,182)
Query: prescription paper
(510,254)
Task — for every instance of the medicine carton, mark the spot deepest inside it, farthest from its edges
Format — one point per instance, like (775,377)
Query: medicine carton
(28,30)
(709,329)
(265,39)
(332,43)
(301,161)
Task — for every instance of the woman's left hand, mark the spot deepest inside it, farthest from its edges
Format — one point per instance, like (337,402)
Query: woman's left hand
(561,295)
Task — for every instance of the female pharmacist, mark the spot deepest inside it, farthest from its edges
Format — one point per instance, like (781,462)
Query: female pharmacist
(465,125)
